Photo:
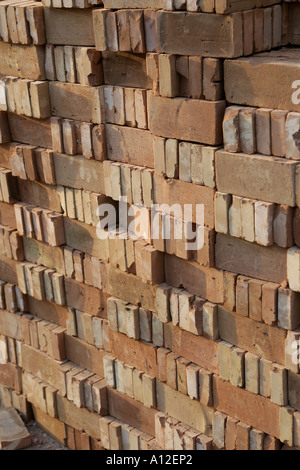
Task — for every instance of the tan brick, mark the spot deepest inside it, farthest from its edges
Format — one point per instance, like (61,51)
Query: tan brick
(222,205)
(231,433)
(279,385)
(224,351)
(259,412)
(242,436)
(237,367)
(184,109)
(194,25)
(264,216)
(252,372)
(286,424)
(278,119)
(288,306)
(256,439)
(219,423)
(263,130)
(242,184)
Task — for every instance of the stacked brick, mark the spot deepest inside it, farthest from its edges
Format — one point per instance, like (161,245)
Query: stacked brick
(134,341)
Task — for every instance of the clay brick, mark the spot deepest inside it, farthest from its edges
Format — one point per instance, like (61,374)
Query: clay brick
(265,377)
(231,433)
(255,299)
(210,322)
(184,110)
(138,390)
(296,428)
(137,32)
(283,226)
(242,296)
(162,300)
(279,387)
(286,425)
(166,397)
(235,255)
(172,370)
(248,32)
(252,372)
(278,119)
(259,413)
(244,329)
(268,26)
(269,303)
(237,367)
(203,442)
(219,423)
(239,93)
(222,205)
(145,325)
(212,79)
(168,78)
(140,355)
(256,439)
(231,129)
(248,219)
(162,354)
(288,308)
(244,185)
(197,349)
(293,268)
(247,130)
(157,331)
(271,443)
(263,130)
(149,391)
(131,411)
(192,378)
(264,216)
(205,387)
(185,304)
(224,350)
(242,436)
(194,25)
(58,289)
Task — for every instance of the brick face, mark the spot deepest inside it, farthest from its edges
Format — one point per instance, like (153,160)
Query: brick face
(252,336)
(258,412)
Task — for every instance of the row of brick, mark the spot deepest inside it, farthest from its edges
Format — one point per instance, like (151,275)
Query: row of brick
(188,162)
(261,130)
(73,64)
(78,138)
(255,221)
(11,243)
(22,22)
(27,97)
(40,224)
(41,283)
(189,76)
(140,36)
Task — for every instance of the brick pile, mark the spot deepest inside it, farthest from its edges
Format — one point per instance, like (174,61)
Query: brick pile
(134,341)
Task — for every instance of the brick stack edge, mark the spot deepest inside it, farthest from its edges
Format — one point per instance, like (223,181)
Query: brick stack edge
(126,343)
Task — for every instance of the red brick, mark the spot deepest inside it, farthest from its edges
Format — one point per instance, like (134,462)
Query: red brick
(11,376)
(230,433)
(138,354)
(252,409)
(131,411)
(197,349)
(242,436)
